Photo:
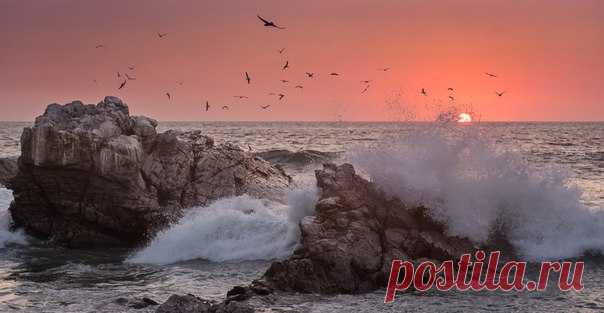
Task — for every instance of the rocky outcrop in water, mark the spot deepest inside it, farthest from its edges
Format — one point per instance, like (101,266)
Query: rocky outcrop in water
(8,170)
(93,174)
(357,230)
(298,158)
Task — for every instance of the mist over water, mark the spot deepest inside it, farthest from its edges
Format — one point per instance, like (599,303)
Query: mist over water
(476,188)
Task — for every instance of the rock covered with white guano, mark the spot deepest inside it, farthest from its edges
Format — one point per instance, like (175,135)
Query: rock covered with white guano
(93,174)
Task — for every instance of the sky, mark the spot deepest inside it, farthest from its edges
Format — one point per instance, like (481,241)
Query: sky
(548,56)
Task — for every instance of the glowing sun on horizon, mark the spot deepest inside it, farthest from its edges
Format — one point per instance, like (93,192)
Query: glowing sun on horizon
(464,118)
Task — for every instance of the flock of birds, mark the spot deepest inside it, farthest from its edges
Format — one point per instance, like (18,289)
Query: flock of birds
(366,84)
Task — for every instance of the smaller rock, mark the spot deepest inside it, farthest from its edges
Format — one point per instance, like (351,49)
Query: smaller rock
(184,304)
(8,169)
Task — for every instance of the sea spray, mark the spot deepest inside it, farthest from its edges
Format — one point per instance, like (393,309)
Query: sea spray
(475,188)
(7,236)
(233,229)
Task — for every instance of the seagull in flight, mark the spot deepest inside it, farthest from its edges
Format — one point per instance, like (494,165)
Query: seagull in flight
(490,74)
(100,46)
(281,50)
(247,77)
(451,98)
(286,66)
(366,87)
(131,67)
(269,23)
(225,107)
(130,78)
(365,81)
(160,35)
(207,106)
(450,89)
(499,94)
(334,74)
(424,92)
(169,96)
(285,81)
(384,69)
(264,107)
(241,97)
(281,96)
(310,75)
(123,84)
(299,86)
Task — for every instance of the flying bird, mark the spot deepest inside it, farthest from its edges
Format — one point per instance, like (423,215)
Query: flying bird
(450,89)
(207,106)
(310,75)
(131,67)
(180,82)
(384,69)
(299,86)
(119,75)
(499,93)
(281,96)
(130,78)
(100,46)
(123,84)
(424,92)
(451,98)
(225,107)
(241,97)
(281,50)
(334,74)
(285,81)
(264,107)
(364,90)
(269,23)
(247,77)
(491,75)
(160,35)
(286,66)
(169,96)
(365,81)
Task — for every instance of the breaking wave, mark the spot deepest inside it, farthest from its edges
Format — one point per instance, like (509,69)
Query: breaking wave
(477,190)
(230,229)
(7,236)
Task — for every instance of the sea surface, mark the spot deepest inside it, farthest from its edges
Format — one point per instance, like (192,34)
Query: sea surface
(546,178)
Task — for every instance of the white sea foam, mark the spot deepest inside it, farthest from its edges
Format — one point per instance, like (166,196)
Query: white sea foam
(6,236)
(235,228)
(474,189)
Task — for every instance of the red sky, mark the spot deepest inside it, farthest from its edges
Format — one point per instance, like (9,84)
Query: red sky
(548,55)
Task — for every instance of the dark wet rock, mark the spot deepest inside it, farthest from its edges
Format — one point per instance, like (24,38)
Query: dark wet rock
(357,230)
(193,304)
(136,303)
(298,158)
(8,170)
(94,175)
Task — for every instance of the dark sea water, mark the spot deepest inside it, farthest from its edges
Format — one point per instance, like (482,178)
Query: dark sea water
(552,173)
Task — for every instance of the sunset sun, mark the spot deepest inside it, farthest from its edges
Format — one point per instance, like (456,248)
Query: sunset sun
(464,118)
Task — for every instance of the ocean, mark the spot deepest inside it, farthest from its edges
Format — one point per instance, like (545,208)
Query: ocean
(546,179)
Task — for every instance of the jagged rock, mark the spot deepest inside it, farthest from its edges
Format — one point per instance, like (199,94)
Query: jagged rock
(193,304)
(93,174)
(357,230)
(8,170)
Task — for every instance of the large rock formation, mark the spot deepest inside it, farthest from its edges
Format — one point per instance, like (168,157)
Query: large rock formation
(356,232)
(8,170)
(93,174)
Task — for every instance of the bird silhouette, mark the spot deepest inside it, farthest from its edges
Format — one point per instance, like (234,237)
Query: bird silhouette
(264,107)
(225,107)
(281,96)
(123,84)
(334,74)
(131,67)
(499,94)
(99,46)
(384,69)
(180,82)
(207,106)
(160,35)
(310,75)
(169,96)
(130,78)
(365,81)
(364,90)
(241,97)
(247,77)
(286,66)
(281,50)
(285,81)
(491,75)
(450,89)
(119,75)
(299,86)
(269,23)
(451,98)
(424,92)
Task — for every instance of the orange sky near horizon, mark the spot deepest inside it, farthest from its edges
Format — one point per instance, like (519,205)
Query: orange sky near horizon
(548,55)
